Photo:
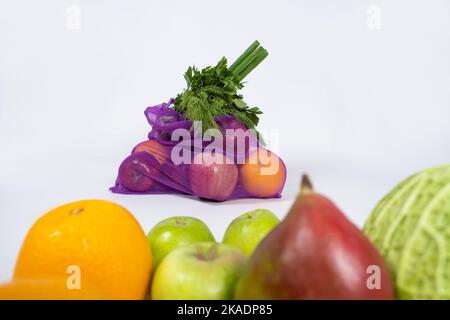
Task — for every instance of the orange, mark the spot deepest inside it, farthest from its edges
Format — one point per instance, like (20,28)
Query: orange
(263,174)
(156,149)
(99,241)
(49,289)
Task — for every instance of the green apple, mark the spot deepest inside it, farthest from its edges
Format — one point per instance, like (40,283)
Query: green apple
(246,231)
(199,271)
(174,232)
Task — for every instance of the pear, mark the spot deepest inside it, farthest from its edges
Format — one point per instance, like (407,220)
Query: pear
(315,253)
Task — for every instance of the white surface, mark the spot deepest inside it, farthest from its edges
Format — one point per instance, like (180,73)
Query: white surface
(358,109)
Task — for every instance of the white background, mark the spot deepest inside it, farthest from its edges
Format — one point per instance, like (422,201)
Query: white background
(358,108)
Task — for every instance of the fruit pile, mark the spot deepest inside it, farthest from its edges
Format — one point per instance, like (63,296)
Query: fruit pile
(204,142)
(214,173)
(314,253)
(190,264)
(97,250)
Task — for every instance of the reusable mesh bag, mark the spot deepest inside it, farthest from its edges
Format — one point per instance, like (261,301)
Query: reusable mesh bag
(178,159)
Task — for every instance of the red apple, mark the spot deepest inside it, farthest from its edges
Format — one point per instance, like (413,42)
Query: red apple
(135,173)
(212,179)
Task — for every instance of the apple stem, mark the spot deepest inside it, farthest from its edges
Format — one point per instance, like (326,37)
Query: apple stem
(179,220)
(212,252)
(208,255)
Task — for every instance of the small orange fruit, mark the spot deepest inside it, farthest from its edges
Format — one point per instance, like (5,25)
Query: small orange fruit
(263,174)
(98,241)
(49,289)
(156,149)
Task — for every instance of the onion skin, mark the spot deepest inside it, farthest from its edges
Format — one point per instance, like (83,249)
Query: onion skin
(214,181)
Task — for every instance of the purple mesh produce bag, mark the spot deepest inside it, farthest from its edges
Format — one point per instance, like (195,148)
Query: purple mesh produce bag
(228,163)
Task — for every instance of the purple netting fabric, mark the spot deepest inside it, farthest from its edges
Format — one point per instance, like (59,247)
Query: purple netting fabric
(178,159)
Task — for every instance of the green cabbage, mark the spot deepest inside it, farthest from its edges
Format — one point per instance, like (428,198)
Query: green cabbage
(411,229)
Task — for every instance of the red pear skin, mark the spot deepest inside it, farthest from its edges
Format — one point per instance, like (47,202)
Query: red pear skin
(315,253)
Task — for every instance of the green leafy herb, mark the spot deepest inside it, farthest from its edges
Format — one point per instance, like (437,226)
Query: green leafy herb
(213,91)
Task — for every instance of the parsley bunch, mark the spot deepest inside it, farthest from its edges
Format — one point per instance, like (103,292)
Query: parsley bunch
(213,91)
